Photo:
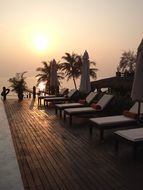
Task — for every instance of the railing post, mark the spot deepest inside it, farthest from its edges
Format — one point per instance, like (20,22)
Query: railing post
(29,95)
(34,92)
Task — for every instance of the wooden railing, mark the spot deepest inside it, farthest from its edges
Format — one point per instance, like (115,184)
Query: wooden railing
(29,93)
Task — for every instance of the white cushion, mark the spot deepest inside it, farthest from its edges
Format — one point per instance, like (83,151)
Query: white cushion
(48,96)
(71,93)
(131,134)
(112,120)
(90,97)
(67,105)
(106,98)
(80,110)
(102,102)
(55,98)
(134,108)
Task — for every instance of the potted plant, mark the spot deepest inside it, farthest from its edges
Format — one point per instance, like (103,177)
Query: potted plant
(18,84)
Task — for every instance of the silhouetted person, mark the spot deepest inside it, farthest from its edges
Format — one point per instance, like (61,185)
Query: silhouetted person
(5,92)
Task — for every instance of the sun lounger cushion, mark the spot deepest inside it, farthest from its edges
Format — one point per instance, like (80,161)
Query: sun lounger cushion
(106,98)
(66,105)
(131,134)
(130,114)
(103,102)
(56,98)
(96,106)
(112,120)
(71,93)
(88,99)
(46,96)
(80,110)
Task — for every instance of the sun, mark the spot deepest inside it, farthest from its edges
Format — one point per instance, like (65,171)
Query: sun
(40,42)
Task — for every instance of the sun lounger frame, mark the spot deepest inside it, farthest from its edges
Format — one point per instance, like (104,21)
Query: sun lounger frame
(134,143)
(61,107)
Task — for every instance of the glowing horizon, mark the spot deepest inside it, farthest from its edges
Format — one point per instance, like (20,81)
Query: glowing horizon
(104,28)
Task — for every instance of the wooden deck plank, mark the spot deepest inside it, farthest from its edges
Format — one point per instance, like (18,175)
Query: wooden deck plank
(29,176)
(77,165)
(53,156)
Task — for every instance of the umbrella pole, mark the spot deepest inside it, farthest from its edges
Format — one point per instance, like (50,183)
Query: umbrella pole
(139,106)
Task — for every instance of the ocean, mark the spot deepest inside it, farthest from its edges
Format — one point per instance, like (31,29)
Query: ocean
(32,81)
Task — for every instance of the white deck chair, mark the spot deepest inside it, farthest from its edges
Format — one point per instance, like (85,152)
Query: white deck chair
(109,122)
(103,102)
(89,99)
(61,93)
(132,136)
(59,99)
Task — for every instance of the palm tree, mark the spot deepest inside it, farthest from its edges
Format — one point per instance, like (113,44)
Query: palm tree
(19,84)
(44,76)
(72,67)
(127,62)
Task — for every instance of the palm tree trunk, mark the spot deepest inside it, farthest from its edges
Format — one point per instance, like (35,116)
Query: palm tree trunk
(74,83)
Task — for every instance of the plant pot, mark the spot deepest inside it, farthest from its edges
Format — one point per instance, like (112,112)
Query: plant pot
(20,96)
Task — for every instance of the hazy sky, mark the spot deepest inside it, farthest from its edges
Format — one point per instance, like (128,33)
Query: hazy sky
(105,28)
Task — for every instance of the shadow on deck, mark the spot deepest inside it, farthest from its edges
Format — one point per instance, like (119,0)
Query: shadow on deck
(53,156)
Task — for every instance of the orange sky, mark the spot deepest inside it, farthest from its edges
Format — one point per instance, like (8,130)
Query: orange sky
(104,28)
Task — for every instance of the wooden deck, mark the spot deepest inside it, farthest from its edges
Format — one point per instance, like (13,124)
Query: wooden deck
(53,156)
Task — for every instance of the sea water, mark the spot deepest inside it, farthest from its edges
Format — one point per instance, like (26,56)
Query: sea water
(32,81)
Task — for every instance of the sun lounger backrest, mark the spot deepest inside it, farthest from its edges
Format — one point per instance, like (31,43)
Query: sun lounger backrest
(90,97)
(63,91)
(72,92)
(134,108)
(106,98)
